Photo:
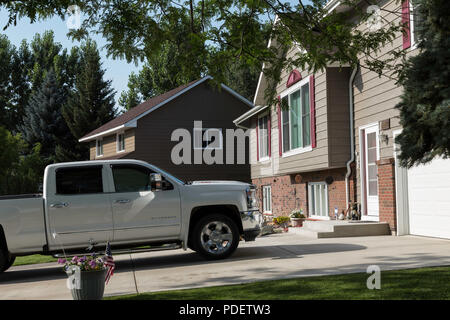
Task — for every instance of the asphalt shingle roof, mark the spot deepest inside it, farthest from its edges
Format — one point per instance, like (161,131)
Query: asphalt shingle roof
(138,110)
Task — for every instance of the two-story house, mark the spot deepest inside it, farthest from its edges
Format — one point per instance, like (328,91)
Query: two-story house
(195,115)
(335,143)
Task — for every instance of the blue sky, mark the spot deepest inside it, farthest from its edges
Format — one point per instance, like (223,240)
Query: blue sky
(115,70)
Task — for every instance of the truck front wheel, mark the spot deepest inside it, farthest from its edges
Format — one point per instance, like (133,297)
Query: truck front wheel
(6,261)
(215,236)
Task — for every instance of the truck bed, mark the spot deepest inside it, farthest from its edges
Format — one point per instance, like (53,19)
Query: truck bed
(21,196)
(23,223)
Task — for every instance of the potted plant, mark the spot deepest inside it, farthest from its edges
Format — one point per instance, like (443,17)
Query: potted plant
(86,277)
(297,217)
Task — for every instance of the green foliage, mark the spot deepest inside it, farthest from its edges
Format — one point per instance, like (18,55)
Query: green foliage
(209,34)
(425,103)
(90,103)
(19,172)
(43,122)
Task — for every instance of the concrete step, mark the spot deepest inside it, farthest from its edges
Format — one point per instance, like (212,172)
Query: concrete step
(338,229)
(304,232)
(319,226)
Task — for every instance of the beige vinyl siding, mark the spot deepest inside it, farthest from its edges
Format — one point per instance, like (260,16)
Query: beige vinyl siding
(332,122)
(110,145)
(375,96)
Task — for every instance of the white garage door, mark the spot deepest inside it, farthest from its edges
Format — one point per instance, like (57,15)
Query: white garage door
(429,199)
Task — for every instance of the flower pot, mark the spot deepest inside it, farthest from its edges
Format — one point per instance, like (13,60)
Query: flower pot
(297,222)
(91,285)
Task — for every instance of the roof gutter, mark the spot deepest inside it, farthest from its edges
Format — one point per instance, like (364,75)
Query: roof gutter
(250,113)
(352,136)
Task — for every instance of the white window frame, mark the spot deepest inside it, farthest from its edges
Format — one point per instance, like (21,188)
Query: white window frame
(267,201)
(310,207)
(267,157)
(205,131)
(118,150)
(287,92)
(97,149)
(412,26)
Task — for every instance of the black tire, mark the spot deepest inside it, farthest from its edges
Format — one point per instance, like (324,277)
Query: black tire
(6,261)
(200,239)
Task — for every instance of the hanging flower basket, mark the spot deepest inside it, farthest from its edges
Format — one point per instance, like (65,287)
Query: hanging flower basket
(86,277)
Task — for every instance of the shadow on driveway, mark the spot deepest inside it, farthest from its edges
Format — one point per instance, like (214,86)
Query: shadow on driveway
(180,258)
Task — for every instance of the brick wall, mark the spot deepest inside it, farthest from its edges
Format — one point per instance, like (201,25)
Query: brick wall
(386,192)
(288,194)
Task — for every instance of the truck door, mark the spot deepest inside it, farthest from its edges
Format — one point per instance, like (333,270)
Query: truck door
(78,208)
(139,213)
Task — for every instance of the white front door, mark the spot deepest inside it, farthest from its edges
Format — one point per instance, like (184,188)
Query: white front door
(370,155)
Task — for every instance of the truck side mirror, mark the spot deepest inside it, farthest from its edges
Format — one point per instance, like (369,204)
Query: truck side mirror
(156,181)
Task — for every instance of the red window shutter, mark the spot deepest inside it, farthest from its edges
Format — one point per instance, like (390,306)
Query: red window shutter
(257,140)
(280,142)
(269,134)
(312,113)
(406,21)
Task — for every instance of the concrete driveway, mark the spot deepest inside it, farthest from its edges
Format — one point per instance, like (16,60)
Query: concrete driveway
(270,257)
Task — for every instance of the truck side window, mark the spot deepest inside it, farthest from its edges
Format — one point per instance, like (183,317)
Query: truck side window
(79,180)
(129,178)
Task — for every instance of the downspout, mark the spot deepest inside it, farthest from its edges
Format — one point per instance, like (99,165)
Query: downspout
(352,136)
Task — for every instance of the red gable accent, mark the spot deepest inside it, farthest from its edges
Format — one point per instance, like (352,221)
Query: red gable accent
(406,21)
(294,77)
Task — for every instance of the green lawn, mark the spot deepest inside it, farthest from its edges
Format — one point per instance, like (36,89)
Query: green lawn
(423,283)
(35,258)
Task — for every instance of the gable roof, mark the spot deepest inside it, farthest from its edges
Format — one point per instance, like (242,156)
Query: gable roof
(129,118)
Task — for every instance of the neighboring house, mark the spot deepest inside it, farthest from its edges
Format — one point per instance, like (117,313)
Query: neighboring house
(145,131)
(299,155)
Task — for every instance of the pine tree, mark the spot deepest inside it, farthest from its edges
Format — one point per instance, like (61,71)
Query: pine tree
(425,105)
(43,122)
(90,104)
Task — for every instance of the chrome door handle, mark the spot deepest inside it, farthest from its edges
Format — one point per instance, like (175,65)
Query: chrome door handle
(121,201)
(59,205)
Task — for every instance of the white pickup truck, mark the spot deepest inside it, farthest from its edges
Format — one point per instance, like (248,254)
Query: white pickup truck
(130,203)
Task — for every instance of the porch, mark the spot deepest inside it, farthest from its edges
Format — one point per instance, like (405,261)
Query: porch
(341,228)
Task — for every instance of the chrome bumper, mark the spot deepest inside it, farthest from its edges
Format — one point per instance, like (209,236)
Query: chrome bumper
(251,220)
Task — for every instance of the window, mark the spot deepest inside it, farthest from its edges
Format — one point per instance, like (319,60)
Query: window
(207,138)
(99,148)
(128,178)
(318,199)
(267,199)
(372,168)
(120,142)
(79,180)
(263,137)
(295,117)
(416,21)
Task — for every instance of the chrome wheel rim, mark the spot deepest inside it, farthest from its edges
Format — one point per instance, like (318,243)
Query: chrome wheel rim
(216,237)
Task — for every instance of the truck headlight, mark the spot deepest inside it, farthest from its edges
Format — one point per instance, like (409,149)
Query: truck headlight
(252,201)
